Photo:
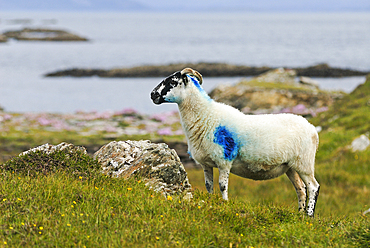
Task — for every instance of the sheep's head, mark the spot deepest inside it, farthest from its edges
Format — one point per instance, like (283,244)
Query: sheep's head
(173,88)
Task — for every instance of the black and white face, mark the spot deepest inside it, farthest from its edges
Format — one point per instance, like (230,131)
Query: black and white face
(170,89)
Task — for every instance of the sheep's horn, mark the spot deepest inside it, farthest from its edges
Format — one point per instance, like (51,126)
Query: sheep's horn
(193,73)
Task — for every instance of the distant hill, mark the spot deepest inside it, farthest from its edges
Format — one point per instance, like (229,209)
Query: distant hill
(72,5)
(189,5)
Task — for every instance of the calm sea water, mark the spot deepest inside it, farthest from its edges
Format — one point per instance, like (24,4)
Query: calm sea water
(130,39)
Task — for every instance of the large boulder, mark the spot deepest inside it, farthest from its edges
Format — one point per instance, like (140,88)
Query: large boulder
(158,164)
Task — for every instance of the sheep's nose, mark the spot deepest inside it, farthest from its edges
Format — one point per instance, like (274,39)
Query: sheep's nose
(154,95)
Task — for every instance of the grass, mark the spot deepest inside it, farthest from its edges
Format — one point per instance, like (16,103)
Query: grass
(60,210)
(72,204)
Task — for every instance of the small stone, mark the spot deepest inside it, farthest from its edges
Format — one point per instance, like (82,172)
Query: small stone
(360,144)
(367,211)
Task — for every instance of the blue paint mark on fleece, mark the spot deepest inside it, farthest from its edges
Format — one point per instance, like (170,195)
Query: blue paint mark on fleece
(196,83)
(190,154)
(227,139)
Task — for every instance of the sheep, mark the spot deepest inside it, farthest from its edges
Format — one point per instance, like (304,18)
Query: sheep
(258,147)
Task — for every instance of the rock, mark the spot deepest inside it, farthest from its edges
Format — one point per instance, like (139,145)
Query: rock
(360,144)
(280,75)
(159,165)
(3,38)
(309,82)
(43,35)
(48,148)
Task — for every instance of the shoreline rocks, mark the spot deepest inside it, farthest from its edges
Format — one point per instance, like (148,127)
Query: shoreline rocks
(275,92)
(42,34)
(207,70)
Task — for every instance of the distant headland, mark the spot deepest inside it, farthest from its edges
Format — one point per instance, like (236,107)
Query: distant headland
(207,69)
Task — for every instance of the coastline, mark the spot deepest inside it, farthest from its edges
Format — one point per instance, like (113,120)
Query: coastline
(207,69)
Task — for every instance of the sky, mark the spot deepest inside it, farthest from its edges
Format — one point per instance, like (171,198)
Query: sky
(187,5)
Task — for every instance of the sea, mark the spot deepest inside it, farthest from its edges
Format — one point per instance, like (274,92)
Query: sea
(128,39)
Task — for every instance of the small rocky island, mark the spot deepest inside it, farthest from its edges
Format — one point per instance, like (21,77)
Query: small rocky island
(41,34)
(3,38)
(207,70)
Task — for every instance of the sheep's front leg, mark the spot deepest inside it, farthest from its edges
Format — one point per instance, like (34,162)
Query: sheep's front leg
(224,182)
(208,177)
(300,188)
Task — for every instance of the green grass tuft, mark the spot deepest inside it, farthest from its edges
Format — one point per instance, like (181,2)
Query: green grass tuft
(35,163)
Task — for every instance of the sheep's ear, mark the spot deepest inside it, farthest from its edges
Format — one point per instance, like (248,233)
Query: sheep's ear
(192,72)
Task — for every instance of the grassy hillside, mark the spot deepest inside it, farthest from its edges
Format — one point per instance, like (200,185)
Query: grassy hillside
(74,205)
(65,208)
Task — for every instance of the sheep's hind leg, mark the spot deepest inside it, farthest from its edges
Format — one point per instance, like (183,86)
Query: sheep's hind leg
(208,177)
(313,188)
(300,188)
(224,182)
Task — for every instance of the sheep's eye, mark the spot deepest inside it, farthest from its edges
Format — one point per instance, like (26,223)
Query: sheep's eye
(173,83)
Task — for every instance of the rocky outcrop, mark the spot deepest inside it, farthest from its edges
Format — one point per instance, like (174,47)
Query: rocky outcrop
(275,92)
(159,165)
(41,34)
(278,76)
(207,70)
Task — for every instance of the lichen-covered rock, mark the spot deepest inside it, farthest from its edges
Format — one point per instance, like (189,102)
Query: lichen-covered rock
(48,148)
(158,164)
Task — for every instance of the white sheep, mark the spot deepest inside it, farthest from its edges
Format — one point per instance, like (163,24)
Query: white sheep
(259,147)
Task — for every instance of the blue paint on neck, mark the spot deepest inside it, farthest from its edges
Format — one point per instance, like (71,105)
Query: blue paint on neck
(190,154)
(228,140)
(197,84)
